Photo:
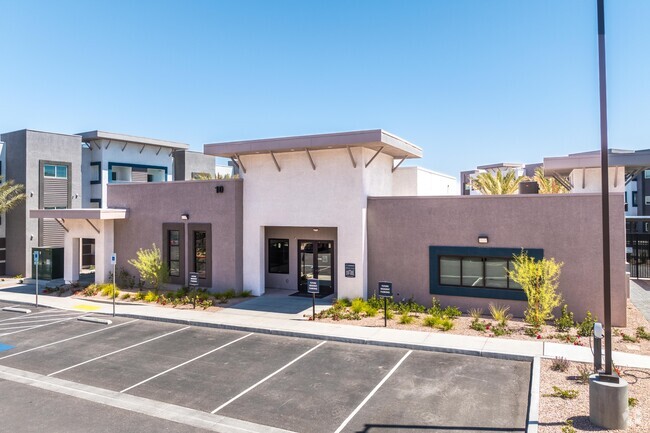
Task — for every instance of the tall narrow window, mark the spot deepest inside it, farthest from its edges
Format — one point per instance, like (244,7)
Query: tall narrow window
(278,254)
(174,253)
(200,251)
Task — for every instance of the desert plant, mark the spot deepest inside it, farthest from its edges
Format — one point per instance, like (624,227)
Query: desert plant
(548,185)
(151,267)
(405,318)
(106,289)
(125,296)
(642,333)
(451,312)
(206,304)
(139,296)
(500,314)
(475,313)
(560,364)
(539,279)
(632,402)
(478,325)
(583,374)
(150,297)
(91,290)
(629,338)
(586,327)
(564,394)
(389,314)
(369,310)
(245,294)
(565,322)
(568,427)
(357,305)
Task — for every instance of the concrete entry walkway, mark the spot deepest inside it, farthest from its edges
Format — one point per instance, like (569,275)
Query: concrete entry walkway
(281,302)
(640,296)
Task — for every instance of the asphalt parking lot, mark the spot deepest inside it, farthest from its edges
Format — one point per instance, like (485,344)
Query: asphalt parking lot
(300,385)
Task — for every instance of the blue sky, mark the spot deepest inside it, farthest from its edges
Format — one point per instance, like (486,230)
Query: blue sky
(470,81)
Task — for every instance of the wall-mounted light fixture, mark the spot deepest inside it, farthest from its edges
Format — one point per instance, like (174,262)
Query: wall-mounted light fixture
(31,193)
(483,239)
(315,229)
(185,216)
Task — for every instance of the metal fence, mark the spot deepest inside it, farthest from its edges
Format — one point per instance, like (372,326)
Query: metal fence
(638,254)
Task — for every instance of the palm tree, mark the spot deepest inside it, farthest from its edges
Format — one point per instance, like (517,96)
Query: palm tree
(11,194)
(548,185)
(491,183)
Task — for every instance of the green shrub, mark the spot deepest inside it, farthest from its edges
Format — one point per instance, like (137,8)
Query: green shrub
(565,322)
(370,311)
(583,374)
(410,306)
(106,289)
(139,296)
(376,302)
(405,318)
(642,333)
(245,294)
(357,305)
(229,294)
(539,279)
(206,304)
(586,327)
(632,402)
(91,290)
(150,297)
(565,394)
(531,331)
(452,312)
(151,267)
(500,314)
(446,324)
(125,296)
(478,325)
(500,330)
(389,314)
(431,321)
(629,338)
(438,322)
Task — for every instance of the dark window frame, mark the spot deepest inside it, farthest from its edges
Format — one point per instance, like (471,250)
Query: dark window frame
(132,166)
(634,199)
(207,228)
(99,180)
(436,288)
(167,227)
(268,256)
(484,276)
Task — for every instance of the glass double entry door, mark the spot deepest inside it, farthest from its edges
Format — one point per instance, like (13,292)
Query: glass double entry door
(316,260)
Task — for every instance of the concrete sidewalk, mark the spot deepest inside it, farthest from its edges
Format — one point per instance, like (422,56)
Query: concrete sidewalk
(294,322)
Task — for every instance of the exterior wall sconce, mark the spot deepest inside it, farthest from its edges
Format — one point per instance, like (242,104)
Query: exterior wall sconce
(483,239)
(31,193)
(185,216)
(315,229)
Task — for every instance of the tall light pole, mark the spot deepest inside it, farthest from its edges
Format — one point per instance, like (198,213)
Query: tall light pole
(604,171)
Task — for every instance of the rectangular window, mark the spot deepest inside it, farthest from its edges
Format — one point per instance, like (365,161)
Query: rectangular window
(56,171)
(483,272)
(647,200)
(95,173)
(278,256)
(646,174)
(200,251)
(634,204)
(174,253)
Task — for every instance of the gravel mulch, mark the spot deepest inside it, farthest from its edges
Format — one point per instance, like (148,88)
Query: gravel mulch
(554,411)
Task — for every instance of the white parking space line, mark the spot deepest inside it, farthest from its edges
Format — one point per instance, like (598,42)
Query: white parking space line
(39,326)
(250,388)
(41,314)
(185,363)
(118,351)
(375,389)
(37,320)
(68,339)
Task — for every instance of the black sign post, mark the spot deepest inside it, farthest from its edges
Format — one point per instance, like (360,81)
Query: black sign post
(385,291)
(313,287)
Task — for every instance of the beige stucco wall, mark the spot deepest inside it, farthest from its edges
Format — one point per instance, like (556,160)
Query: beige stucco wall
(152,204)
(566,226)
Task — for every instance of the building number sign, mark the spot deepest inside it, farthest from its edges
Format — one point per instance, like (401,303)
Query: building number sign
(218,189)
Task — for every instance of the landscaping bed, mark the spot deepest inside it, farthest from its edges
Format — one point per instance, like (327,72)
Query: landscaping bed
(629,339)
(555,411)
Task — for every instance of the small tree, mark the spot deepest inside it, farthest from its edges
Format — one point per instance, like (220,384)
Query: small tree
(151,267)
(539,279)
(489,183)
(548,185)
(11,194)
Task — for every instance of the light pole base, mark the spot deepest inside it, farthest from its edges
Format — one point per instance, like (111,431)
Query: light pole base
(608,403)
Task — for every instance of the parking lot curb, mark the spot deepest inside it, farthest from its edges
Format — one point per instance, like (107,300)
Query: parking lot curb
(532,420)
(336,338)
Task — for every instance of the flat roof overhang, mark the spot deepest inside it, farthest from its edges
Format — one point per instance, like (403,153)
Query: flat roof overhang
(102,135)
(633,161)
(85,214)
(376,139)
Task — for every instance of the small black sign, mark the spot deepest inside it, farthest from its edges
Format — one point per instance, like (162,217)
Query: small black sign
(385,289)
(194,279)
(350,271)
(312,286)
(218,189)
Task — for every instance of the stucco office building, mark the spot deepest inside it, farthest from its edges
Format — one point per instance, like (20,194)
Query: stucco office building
(341,208)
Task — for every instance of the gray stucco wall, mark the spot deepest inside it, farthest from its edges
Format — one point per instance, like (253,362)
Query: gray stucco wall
(25,149)
(566,226)
(151,205)
(187,162)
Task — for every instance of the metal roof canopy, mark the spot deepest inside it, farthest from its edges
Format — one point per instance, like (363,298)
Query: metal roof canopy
(123,138)
(86,214)
(634,162)
(376,139)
